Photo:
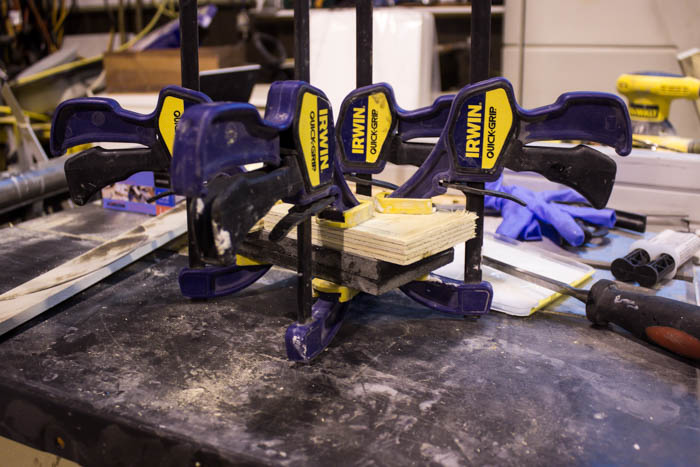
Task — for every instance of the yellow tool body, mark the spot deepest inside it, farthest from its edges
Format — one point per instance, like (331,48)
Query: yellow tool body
(650,96)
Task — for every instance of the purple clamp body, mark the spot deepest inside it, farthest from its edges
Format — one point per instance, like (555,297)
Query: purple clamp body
(218,138)
(92,120)
(425,122)
(485,120)
(371,126)
(305,341)
(205,137)
(100,120)
(451,296)
(217,281)
(370,122)
(213,143)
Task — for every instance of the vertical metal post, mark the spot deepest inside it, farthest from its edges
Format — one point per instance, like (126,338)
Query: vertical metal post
(478,71)
(189,44)
(301,40)
(302,72)
(363,50)
(189,71)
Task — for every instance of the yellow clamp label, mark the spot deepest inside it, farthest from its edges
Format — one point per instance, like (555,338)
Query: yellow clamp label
(170,113)
(402,205)
(354,216)
(245,261)
(313,137)
(370,127)
(78,148)
(488,125)
(324,286)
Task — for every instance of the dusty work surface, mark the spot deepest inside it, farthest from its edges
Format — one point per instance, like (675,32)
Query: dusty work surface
(37,246)
(129,372)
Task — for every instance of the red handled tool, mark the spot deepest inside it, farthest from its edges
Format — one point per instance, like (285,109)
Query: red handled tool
(668,323)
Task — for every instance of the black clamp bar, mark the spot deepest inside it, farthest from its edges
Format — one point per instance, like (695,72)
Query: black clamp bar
(189,71)
(478,71)
(363,46)
(302,73)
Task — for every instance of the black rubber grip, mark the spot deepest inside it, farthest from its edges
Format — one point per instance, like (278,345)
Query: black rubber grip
(234,204)
(415,154)
(296,216)
(589,172)
(669,323)
(630,221)
(93,169)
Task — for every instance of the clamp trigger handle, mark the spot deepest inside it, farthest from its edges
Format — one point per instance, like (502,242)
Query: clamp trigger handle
(466,189)
(93,169)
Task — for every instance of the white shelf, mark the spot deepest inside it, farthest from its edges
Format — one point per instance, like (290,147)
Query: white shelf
(444,10)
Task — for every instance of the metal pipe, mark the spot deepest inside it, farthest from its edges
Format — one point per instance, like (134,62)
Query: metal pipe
(48,179)
(478,71)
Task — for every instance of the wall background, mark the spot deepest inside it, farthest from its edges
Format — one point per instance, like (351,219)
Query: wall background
(554,46)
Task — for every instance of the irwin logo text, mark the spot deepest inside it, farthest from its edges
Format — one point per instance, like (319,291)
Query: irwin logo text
(359,133)
(322,138)
(475,126)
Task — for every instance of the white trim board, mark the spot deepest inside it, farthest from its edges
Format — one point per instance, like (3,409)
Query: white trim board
(32,298)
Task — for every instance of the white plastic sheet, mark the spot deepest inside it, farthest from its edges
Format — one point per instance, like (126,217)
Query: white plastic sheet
(404,54)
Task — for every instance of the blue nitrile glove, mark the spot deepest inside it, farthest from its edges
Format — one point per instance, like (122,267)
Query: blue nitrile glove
(543,215)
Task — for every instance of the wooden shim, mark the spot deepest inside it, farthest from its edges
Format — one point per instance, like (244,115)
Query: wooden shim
(365,274)
(51,288)
(395,238)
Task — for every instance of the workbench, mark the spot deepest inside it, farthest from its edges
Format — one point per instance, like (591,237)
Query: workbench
(129,372)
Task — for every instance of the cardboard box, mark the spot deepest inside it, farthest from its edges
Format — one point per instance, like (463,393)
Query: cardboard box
(151,70)
(132,193)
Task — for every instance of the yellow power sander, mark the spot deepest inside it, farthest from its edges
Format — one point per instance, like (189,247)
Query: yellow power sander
(650,95)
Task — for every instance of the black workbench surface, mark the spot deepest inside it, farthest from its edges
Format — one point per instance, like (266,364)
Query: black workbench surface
(129,372)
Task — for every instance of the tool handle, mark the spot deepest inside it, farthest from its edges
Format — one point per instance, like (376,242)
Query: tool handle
(582,168)
(425,182)
(668,323)
(234,204)
(630,221)
(425,122)
(586,116)
(95,168)
(99,120)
